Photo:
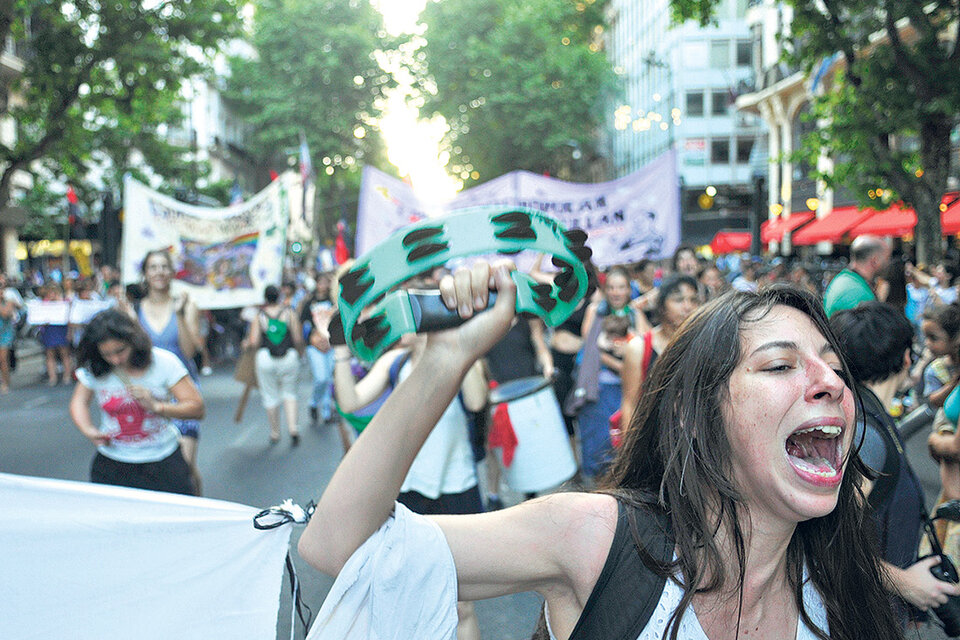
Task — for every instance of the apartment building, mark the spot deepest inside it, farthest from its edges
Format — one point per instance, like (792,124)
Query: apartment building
(680,83)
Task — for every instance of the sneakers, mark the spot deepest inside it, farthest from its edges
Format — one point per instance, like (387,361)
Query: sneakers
(314,416)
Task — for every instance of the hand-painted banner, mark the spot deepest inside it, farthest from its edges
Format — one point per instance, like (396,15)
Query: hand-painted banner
(91,561)
(634,217)
(223,257)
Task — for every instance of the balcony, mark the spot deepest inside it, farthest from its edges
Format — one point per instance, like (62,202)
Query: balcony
(11,60)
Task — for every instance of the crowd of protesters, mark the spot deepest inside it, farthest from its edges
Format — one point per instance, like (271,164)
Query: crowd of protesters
(596,363)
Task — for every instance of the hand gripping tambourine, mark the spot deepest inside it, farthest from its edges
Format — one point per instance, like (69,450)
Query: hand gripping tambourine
(431,243)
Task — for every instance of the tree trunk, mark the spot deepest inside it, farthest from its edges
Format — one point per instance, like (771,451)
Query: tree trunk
(928,236)
(935,160)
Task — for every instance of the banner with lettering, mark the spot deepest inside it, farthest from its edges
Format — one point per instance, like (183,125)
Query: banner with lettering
(634,217)
(223,257)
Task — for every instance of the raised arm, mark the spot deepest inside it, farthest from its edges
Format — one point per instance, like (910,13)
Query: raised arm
(361,493)
(355,394)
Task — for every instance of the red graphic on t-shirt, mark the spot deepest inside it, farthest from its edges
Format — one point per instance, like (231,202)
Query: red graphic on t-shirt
(129,415)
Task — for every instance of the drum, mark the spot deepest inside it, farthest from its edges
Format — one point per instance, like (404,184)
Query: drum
(543,458)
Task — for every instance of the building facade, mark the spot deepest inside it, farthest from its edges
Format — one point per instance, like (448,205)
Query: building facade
(680,83)
(11,217)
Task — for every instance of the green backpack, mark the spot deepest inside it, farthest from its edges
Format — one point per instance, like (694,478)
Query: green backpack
(276,336)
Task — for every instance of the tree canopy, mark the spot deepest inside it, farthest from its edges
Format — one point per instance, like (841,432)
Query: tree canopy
(101,80)
(887,116)
(521,83)
(314,72)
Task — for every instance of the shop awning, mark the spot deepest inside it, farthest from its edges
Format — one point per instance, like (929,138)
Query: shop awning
(831,227)
(950,219)
(896,221)
(730,241)
(773,230)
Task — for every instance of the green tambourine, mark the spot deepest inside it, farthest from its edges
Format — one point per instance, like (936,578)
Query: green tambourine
(427,244)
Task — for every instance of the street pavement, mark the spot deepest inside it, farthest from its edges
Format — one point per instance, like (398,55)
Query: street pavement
(239,464)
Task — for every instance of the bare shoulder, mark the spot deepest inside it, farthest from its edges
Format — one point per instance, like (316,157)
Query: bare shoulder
(584,524)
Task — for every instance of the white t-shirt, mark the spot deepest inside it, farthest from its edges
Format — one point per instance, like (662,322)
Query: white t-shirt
(402,583)
(445,463)
(137,435)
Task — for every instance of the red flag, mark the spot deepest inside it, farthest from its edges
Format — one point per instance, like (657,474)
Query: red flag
(340,252)
(501,433)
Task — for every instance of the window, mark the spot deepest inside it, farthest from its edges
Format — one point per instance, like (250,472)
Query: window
(695,104)
(744,53)
(720,54)
(744,147)
(719,102)
(720,151)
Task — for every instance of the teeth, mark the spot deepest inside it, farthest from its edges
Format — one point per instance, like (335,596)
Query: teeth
(818,466)
(827,430)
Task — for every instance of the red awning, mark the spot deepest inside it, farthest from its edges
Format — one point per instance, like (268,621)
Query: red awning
(730,241)
(772,230)
(831,227)
(950,219)
(895,221)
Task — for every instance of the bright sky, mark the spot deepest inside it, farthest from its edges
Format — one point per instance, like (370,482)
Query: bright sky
(413,145)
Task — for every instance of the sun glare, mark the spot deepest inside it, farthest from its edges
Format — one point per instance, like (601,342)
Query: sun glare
(413,145)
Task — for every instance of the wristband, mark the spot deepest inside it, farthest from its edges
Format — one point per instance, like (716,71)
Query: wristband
(431,243)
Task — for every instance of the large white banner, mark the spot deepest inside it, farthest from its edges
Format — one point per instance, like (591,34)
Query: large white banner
(94,561)
(634,217)
(223,257)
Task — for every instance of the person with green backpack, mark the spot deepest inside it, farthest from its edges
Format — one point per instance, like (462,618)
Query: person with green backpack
(277,336)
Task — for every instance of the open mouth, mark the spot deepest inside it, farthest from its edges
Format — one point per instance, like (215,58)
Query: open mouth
(815,453)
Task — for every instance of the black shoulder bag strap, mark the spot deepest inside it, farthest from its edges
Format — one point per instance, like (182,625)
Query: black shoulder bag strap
(627,591)
(887,476)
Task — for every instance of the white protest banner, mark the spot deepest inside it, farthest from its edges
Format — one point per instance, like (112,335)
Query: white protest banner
(634,217)
(92,561)
(82,310)
(223,257)
(48,312)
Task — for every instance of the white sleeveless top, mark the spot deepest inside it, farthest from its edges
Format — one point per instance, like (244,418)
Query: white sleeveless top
(690,628)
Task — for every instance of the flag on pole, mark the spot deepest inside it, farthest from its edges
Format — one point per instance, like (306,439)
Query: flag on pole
(73,205)
(236,193)
(306,165)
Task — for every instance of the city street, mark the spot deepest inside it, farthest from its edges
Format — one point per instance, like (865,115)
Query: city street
(239,464)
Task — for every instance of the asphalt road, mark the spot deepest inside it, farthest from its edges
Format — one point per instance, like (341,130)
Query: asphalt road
(239,464)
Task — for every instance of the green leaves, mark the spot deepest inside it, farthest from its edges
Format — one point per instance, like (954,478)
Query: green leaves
(102,77)
(518,82)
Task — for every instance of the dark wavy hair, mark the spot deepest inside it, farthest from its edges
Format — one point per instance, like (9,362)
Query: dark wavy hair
(670,284)
(112,325)
(676,450)
(873,336)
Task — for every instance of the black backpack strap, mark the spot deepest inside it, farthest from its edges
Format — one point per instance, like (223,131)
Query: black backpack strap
(876,417)
(627,591)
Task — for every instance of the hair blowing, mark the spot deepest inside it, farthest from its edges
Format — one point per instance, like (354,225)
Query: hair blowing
(676,449)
